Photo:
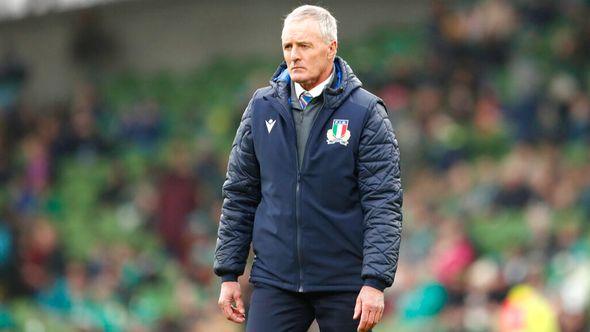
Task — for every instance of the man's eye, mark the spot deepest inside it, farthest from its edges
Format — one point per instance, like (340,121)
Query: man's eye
(287,47)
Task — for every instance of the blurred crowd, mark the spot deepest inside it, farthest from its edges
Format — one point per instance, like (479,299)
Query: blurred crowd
(109,203)
(495,122)
(104,224)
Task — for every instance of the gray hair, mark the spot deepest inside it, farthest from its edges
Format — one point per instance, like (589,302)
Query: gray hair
(327,22)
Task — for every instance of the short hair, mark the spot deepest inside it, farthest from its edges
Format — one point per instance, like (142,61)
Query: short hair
(327,22)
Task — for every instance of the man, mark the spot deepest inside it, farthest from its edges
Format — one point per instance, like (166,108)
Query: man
(313,182)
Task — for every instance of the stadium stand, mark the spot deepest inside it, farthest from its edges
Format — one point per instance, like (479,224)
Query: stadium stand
(109,204)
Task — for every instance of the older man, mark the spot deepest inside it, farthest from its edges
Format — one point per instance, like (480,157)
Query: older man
(313,182)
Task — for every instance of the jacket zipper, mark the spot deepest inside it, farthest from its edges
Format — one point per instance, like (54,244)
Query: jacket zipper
(297,217)
(298,191)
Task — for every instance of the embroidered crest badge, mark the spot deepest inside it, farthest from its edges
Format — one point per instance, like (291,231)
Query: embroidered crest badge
(339,132)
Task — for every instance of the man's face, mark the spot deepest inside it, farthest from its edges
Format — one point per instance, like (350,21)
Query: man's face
(309,58)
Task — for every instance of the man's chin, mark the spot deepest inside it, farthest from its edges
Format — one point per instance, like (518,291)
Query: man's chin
(297,75)
(298,79)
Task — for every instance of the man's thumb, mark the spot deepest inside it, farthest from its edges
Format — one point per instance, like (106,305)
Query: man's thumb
(357,308)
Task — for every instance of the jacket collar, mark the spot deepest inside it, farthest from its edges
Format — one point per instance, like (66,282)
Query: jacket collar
(344,83)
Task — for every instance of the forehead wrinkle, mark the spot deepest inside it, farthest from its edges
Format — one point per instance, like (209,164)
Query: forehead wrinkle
(303,24)
(298,38)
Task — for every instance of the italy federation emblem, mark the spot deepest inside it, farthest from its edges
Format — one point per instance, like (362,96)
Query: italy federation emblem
(339,132)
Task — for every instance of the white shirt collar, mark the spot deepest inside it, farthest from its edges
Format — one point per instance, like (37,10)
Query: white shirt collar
(315,91)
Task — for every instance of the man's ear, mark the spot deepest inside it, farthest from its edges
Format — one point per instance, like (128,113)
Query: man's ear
(332,48)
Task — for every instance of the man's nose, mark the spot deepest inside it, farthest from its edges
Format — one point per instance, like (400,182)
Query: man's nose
(295,54)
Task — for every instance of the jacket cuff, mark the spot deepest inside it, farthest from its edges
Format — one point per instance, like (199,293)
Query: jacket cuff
(229,277)
(375,283)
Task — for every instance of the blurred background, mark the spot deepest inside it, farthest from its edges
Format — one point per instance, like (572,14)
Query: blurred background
(116,119)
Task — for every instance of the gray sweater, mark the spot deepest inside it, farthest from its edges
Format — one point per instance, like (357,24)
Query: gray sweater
(304,118)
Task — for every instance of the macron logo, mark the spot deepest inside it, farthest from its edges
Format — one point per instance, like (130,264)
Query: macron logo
(269,124)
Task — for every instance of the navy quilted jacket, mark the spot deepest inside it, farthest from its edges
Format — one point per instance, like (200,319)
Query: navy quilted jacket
(333,224)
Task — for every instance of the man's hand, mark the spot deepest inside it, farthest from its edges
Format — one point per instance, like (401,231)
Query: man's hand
(230,302)
(369,306)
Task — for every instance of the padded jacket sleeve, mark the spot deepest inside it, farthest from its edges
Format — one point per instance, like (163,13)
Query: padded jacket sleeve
(379,180)
(241,196)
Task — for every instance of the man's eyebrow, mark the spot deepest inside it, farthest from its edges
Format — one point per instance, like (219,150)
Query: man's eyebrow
(297,42)
(290,43)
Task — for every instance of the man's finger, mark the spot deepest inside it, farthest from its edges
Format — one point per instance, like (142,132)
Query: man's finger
(234,315)
(227,312)
(240,305)
(357,309)
(379,315)
(371,319)
(237,311)
(237,316)
(364,317)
